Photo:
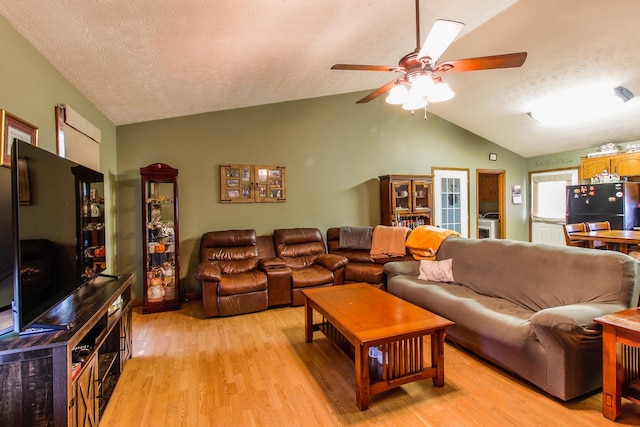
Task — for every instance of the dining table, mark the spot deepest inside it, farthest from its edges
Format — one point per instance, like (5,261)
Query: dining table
(619,240)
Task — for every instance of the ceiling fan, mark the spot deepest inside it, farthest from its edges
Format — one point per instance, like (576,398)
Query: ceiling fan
(420,82)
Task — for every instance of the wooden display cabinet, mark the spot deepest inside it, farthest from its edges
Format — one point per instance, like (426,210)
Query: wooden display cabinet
(160,238)
(252,184)
(405,200)
(91,237)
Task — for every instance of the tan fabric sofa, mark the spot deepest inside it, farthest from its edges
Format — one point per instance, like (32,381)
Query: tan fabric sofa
(528,308)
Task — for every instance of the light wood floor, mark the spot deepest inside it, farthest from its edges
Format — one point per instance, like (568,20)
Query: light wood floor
(256,370)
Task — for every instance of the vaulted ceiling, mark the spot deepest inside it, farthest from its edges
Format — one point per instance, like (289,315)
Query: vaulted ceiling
(153,59)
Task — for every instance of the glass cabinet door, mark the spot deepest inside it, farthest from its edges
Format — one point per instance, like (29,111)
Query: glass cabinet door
(91,237)
(400,196)
(160,238)
(421,196)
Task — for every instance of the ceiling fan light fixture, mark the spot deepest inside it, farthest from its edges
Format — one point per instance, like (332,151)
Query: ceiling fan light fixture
(414,101)
(422,84)
(398,95)
(441,92)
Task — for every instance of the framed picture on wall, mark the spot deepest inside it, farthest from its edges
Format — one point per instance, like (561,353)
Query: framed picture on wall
(15,129)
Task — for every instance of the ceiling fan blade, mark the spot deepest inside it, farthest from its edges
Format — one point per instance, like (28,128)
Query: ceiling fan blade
(509,60)
(377,92)
(440,37)
(354,67)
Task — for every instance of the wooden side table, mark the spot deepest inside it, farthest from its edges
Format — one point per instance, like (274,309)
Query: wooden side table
(620,360)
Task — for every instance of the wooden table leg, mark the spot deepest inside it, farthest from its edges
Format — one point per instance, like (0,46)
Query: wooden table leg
(308,321)
(362,376)
(611,375)
(437,356)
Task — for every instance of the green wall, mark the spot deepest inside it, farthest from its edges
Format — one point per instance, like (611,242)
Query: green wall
(333,151)
(30,88)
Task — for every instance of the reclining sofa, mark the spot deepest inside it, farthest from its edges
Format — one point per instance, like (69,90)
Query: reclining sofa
(244,273)
(527,307)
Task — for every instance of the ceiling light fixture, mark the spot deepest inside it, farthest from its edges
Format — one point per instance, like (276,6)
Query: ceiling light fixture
(419,90)
(581,105)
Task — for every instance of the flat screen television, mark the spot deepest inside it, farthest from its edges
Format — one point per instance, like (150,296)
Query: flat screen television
(55,232)
(6,252)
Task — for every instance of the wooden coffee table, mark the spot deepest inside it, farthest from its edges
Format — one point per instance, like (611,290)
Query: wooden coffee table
(357,317)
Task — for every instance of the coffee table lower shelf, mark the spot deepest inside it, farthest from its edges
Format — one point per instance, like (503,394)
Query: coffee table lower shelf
(402,360)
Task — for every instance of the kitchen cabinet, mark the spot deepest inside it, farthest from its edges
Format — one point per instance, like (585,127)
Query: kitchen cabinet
(594,166)
(405,200)
(627,164)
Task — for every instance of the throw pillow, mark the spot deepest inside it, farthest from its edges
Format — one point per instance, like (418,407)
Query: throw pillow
(436,271)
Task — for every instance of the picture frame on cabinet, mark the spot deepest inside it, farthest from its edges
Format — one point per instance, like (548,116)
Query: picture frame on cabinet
(14,128)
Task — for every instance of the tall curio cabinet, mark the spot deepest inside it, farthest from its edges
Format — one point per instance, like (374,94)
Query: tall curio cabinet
(160,241)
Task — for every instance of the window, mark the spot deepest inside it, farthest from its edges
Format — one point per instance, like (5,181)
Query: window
(548,194)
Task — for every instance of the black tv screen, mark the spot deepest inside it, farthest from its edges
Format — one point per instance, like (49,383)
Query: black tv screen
(6,252)
(56,231)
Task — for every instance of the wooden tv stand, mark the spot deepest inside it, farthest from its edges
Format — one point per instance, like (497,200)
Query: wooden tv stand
(40,386)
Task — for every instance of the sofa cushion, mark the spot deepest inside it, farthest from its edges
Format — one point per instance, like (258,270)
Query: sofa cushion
(436,271)
(483,314)
(243,283)
(360,272)
(540,276)
(313,275)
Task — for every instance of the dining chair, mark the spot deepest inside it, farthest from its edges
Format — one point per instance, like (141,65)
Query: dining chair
(596,226)
(569,229)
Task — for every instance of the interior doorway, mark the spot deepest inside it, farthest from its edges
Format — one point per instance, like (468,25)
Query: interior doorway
(490,200)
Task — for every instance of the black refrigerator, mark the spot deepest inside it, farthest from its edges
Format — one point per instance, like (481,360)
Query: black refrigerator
(616,202)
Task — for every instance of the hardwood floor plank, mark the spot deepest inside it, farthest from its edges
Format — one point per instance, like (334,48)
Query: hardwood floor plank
(256,370)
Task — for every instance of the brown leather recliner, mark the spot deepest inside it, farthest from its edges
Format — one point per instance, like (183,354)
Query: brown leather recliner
(232,282)
(304,252)
(361,266)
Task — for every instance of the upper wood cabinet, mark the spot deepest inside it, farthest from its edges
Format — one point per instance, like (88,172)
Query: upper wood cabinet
(251,183)
(594,166)
(626,164)
(488,187)
(622,164)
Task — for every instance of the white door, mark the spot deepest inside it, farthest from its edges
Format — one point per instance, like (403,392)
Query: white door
(451,200)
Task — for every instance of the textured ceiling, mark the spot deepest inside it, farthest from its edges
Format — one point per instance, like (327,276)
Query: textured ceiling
(144,60)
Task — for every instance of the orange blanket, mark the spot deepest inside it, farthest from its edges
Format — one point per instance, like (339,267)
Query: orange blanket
(388,241)
(424,241)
